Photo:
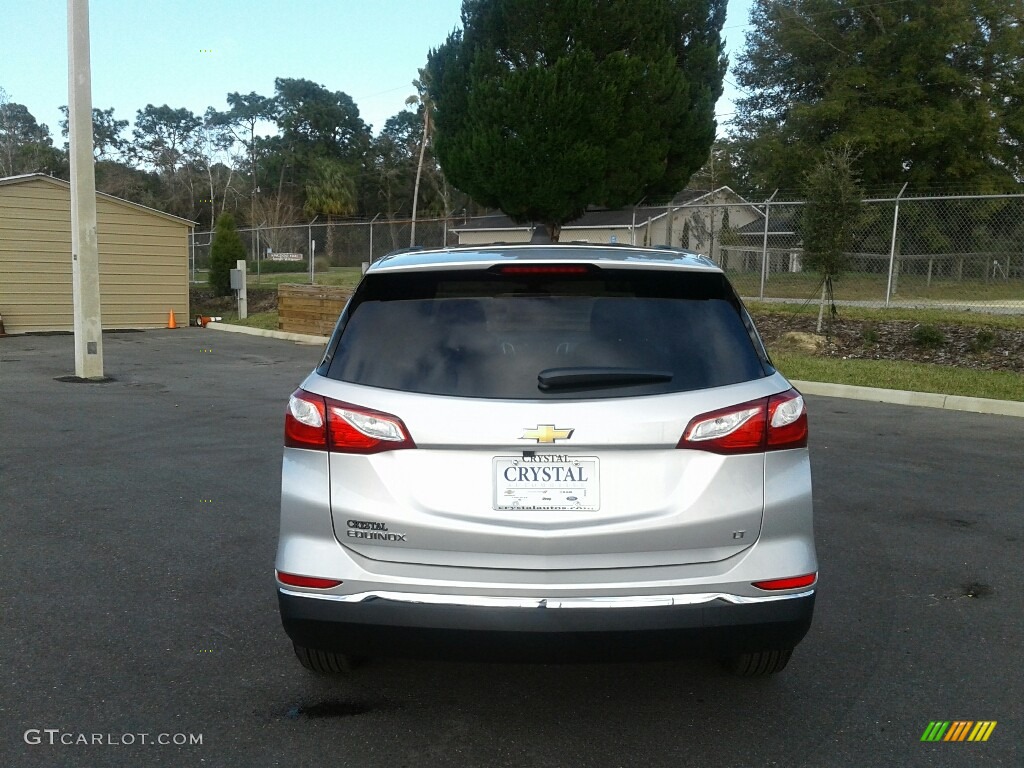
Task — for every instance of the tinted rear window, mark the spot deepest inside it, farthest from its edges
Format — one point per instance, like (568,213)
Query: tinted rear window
(476,333)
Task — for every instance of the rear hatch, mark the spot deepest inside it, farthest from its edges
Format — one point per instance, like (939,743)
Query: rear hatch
(541,414)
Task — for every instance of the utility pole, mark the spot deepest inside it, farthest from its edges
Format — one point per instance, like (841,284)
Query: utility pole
(422,98)
(85,260)
(419,170)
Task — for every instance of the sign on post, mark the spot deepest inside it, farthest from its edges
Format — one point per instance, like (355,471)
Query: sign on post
(238,284)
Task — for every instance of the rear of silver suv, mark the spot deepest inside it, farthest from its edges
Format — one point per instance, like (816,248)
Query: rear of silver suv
(546,453)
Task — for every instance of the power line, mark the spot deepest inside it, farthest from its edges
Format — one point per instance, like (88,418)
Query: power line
(835,12)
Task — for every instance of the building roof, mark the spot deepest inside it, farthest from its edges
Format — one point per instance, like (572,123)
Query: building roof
(27,177)
(782,220)
(600,218)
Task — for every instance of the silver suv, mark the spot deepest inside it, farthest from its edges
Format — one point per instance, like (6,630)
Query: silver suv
(561,452)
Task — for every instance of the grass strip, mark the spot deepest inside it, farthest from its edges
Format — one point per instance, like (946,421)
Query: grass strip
(346,277)
(863,286)
(912,377)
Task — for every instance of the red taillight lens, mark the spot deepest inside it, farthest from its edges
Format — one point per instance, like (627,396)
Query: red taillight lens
(322,424)
(790,583)
(304,421)
(770,424)
(313,582)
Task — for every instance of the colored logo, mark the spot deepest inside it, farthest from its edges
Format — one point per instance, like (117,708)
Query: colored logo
(958,730)
(546,433)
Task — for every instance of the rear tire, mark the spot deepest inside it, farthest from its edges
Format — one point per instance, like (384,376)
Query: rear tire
(325,662)
(759,663)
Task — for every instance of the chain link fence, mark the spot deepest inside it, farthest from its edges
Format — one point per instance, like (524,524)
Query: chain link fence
(964,252)
(332,244)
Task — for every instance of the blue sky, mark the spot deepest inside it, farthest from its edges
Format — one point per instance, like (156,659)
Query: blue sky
(192,53)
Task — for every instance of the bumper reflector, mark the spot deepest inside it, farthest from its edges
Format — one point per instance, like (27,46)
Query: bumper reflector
(790,583)
(312,582)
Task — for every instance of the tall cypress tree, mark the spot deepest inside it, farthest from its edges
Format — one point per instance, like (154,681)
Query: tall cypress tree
(226,250)
(544,108)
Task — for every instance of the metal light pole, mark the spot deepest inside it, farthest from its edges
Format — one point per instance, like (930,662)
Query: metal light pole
(85,257)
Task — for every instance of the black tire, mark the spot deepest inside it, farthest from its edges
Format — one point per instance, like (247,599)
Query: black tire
(325,662)
(759,663)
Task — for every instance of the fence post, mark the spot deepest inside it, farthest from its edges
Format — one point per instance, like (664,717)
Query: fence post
(370,259)
(309,246)
(892,247)
(764,245)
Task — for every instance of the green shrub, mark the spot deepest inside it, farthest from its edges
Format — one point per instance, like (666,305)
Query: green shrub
(927,335)
(322,263)
(984,340)
(225,251)
(869,334)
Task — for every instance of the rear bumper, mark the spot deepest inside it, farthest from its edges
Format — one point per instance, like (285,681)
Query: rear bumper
(659,627)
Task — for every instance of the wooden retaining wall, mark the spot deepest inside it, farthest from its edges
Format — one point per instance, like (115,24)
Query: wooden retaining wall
(311,309)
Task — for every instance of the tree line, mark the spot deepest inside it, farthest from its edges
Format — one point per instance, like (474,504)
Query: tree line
(268,160)
(543,109)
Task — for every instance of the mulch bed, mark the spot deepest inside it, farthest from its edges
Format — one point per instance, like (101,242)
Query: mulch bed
(994,349)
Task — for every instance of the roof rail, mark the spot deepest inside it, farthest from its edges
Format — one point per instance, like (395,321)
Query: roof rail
(397,251)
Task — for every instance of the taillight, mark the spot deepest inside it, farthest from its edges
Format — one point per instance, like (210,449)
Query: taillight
(320,423)
(304,421)
(769,424)
(787,421)
(294,580)
(790,583)
(739,429)
(352,429)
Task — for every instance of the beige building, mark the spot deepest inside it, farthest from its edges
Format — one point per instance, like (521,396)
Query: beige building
(143,259)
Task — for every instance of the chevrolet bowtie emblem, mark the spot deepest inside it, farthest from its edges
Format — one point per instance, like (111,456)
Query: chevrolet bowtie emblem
(546,433)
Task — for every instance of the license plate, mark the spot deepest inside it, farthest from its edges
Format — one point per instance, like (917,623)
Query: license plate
(546,482)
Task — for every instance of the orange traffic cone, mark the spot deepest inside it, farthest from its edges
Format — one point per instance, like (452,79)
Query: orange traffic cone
(170,320)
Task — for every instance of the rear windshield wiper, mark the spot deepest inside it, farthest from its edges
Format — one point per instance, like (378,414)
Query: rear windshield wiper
(566,378)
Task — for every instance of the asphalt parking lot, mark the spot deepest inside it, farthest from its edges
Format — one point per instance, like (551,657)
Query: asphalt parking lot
(138,523)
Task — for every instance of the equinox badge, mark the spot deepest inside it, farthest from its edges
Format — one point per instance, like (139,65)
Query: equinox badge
(546,433)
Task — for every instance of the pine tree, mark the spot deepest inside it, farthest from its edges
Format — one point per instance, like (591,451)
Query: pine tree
(830,218)
(543,108)
(225,251)
(927,91)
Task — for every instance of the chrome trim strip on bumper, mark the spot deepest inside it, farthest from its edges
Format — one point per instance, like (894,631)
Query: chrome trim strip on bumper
(488,601)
